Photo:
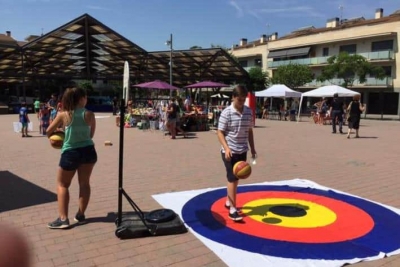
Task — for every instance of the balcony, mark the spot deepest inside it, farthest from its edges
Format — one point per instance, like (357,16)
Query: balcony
(301,61)
(386,82)
(380,55)
(372,56)
(250,67)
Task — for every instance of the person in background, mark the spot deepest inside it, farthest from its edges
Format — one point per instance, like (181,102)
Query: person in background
(187,104)
(235,133)
(336,112)
(354,109)
(265,110)
(282,112)
(78,154)
(294,106)
(53,101)
(179,113)
(36,106)
(171,118)
(322,109)
(44,117)
(115,106)
(24,119)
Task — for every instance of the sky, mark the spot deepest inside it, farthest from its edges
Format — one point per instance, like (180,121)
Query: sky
(149,23)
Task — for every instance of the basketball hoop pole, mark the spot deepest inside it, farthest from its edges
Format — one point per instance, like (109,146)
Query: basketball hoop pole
(121,191)
(121,159)
(157,222)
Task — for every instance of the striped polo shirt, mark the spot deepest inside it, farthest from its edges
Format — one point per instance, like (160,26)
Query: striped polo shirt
(236,128)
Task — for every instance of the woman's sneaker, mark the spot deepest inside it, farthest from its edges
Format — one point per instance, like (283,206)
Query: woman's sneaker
(80,218)
(59,224)
(235,216)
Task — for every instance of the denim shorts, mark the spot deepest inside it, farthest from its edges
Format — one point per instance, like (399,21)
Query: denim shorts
(73,158)
(229,165)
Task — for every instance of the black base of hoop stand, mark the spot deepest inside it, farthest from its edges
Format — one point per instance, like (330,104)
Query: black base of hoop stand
(139,223)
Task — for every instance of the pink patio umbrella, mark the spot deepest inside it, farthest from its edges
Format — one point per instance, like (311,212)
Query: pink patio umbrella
(206,84)
(157,84)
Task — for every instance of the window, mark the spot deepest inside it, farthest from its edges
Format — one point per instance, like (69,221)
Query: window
(351,49)
(382,46)
(243,63)
(388,70)
(258,62)
(386,103)
(325,51)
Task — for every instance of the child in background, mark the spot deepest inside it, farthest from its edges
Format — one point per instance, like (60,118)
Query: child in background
(24,120)
(44,115)
(78,154)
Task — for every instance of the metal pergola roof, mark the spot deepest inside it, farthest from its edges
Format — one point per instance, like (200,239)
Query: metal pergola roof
(196,65)
(84,48)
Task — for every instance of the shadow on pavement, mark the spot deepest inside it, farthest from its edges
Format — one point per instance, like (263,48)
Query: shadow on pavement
(16,193)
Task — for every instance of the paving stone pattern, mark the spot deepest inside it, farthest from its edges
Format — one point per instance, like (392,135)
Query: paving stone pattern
(367,167)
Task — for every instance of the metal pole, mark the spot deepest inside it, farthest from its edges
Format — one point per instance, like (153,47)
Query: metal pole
(170,63)
(23,77)
(121,158)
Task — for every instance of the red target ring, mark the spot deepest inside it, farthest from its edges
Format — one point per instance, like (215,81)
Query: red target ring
(347,216)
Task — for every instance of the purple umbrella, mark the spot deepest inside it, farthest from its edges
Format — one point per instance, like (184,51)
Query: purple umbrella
(157,84)
(207,84)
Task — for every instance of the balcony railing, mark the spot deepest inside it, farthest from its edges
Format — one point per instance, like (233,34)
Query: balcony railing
(250,67)
(381,55)
(387,81)
(301,61)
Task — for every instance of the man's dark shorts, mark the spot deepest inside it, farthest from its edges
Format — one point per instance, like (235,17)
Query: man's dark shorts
(73,158)
(229,165)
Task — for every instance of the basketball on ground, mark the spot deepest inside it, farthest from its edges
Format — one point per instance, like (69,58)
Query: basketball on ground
(57,140)
(242,170)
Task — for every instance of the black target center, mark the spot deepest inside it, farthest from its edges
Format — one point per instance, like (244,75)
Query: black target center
(288,211)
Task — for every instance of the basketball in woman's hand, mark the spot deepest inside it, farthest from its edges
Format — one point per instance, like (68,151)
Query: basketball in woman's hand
(242,170)
(57,140)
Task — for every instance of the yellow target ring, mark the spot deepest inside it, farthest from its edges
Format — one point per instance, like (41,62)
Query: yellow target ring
(286,212)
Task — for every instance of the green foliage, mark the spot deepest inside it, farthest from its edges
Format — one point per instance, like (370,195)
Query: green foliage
(88,86)
(234,58)
(195,47)
(349,68)
(292,75)
(259,79)
(218,46)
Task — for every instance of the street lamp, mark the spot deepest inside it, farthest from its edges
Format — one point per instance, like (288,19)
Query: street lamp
(169,43)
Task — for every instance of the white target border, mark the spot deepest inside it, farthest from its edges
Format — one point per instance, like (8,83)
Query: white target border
(237,257)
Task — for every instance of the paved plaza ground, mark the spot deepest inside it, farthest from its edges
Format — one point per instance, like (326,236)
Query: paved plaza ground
(367,167)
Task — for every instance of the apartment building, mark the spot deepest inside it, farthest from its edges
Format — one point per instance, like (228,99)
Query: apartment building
(376,39)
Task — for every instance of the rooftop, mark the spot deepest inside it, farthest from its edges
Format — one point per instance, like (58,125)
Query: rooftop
(85,48)
(310,30)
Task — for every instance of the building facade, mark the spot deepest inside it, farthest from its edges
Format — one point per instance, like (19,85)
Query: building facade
(376,39)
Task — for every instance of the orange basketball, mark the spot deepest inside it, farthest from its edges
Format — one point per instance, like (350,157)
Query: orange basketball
(57,140)
(242,170)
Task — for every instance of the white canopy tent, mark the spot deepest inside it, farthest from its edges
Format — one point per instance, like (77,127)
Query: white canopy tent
(219,96)
(278,90)
(327,91)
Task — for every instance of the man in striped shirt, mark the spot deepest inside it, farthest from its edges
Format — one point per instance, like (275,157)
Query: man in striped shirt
(235,133)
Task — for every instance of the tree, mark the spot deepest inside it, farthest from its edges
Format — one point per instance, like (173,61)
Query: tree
(292,75)
(195,47)
(218,46)
(259,79)
(88,86)
(350,68)
(233,57)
